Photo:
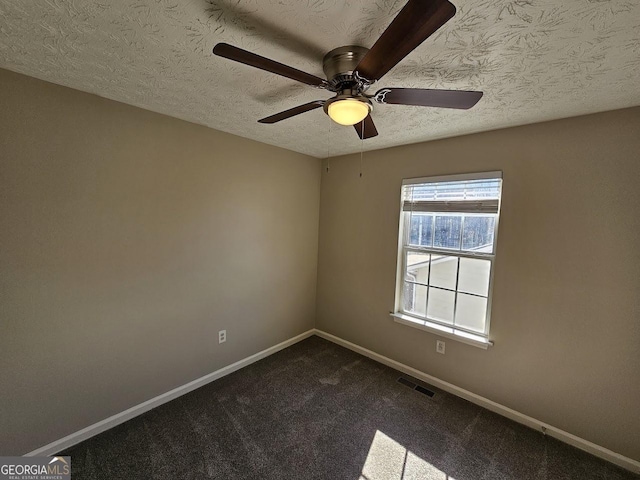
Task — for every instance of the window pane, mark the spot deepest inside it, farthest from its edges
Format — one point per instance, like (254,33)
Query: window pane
(447,232)
(443,271)
(474,276)
(421,232)
(414,298)
(440,305)
(478,233)
(417,267)
(471,312)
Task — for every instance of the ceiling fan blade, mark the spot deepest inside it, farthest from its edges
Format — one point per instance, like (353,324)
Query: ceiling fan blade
(425,97)
(368,126)
(417,20)
(242,56)
(292,112)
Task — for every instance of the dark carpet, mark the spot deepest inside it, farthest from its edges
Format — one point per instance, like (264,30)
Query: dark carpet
(318,411)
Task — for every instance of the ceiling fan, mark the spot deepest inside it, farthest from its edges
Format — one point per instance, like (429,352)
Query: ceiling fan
(351,70)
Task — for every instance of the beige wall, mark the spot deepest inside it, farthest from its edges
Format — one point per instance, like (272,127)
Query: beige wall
(566,311)
(127,240)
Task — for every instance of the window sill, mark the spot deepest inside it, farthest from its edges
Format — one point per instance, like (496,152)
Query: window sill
(448,332)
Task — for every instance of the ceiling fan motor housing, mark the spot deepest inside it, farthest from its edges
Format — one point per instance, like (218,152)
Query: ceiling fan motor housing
(339,66)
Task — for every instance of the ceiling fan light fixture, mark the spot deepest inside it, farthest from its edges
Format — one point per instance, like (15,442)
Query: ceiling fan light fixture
(348,111)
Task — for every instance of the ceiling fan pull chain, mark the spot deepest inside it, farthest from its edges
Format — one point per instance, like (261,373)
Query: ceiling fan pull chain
(361,147)
(328,144)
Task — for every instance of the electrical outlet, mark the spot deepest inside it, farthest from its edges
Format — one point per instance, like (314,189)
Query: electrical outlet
(222,336)
(440,346)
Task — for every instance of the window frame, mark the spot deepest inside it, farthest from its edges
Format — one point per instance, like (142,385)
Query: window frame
(430,324)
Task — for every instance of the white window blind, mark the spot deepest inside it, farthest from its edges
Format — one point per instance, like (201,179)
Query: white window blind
(473,196)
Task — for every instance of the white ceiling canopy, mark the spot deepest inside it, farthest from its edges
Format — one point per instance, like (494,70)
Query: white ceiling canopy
(535,60)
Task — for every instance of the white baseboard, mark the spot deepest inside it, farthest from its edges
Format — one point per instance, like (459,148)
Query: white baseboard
(88,432)
(550,430)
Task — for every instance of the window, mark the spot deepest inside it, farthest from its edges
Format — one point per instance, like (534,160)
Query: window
(447,244)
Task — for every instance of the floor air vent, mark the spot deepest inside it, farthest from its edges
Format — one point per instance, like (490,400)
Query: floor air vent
(416,387)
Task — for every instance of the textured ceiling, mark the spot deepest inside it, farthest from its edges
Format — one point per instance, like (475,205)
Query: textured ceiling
(535,60)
